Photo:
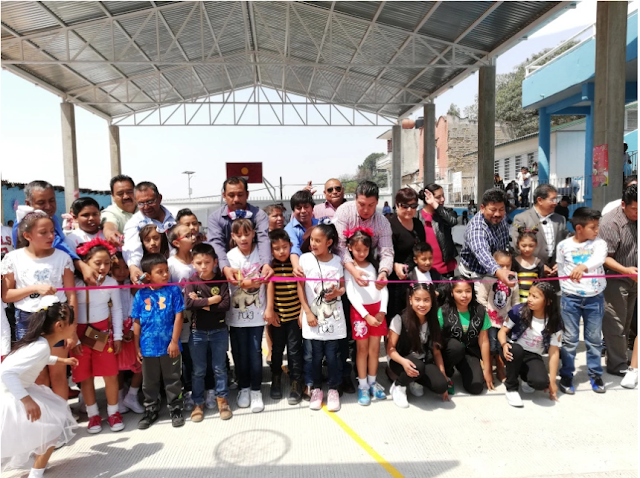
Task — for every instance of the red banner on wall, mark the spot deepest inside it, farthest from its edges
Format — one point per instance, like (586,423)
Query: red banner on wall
(600,166)
(252,172)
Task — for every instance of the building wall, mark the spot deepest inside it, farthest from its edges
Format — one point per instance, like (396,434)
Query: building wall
(11,194)
(442,147)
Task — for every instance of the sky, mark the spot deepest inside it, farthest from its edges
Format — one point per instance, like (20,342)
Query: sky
(30,136)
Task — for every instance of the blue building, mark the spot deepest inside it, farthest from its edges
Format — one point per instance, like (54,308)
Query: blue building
(566,86)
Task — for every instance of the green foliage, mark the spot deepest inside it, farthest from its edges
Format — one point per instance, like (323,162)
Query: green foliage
(366,172)
(454,110)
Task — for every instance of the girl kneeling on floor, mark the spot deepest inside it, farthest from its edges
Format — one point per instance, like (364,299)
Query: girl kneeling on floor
(465,337)
(99,313)
(535,328)
(414,346)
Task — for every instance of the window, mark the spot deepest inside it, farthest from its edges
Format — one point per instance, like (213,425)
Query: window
(518,164)
(496,167)
(507,169)
(531,158)
(631,120)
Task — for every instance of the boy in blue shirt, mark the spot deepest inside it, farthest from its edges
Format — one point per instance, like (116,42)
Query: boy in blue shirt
(157,315)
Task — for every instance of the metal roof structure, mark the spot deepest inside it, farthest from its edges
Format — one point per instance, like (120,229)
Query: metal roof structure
(243,62)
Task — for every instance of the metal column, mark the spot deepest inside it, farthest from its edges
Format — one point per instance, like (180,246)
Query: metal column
(544,145)
(69,154)
(486,129)
(114,150)
(608,121)
(396,161)
(429,146)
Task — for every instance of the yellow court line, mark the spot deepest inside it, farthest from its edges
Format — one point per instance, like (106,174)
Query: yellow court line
(365,446)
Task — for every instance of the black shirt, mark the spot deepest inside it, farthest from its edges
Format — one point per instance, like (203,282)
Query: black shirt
(404,240)
(214,317)
(563,211)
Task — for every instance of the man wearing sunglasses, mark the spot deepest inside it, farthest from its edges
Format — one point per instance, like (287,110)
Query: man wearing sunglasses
(334,198)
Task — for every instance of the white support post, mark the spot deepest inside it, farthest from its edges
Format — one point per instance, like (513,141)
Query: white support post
(114,150)
(69,154)
(396,160)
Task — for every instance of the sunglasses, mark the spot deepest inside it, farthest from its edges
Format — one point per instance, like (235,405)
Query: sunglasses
(409,206)
(336,188)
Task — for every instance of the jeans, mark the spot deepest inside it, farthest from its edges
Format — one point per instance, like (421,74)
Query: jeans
(22,326)
(289,335)
(246,348)
(347,345)
(591,309)
(494,344)
(329,349)
(527,365)
(307,367)
(202,342)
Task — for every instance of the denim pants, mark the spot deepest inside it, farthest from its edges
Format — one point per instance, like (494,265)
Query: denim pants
(202,342)
(329,349)
(22,325)
(591,309)
(307,362)
(246,348)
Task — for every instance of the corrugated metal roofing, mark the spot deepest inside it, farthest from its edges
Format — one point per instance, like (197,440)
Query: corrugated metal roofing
(117,57)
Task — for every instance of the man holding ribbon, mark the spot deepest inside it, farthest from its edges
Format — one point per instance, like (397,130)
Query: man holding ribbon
(150,211)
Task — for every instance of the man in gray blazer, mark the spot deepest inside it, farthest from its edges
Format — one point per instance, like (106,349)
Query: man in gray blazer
(552,227)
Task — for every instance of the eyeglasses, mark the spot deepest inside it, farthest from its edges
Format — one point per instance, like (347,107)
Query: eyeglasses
(147,203)
(554,200)
(336,188)
(409,206)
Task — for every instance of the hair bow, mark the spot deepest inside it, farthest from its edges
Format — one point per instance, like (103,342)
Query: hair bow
(84,248)
(326,221)
(526,230)
(23,210)
(240,214)
(165,227)
(365,230)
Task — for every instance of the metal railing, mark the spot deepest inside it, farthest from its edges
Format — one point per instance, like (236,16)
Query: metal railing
(633,157)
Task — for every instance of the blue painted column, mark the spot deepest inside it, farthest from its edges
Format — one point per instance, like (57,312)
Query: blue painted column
(544,145)
(588,158)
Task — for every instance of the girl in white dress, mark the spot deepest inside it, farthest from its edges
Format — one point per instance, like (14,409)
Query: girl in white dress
(34,419)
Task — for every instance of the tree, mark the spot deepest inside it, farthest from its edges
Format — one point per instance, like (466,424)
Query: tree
(453,110)
(471,111)
(367,171)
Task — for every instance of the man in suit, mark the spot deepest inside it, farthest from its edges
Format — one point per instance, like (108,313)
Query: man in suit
(552,227)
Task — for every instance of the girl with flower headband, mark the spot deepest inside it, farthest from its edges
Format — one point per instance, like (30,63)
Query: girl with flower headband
(99,310)
(368,314)
(528,267)
(32,275)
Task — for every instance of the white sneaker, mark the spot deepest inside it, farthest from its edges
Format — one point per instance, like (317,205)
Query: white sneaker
(188,403)
(630,379)
(131,403)
(257,405)
(210,400)
(399,395)
(514,399)
(122,408)
(526,388)
(244,398)
(416,389)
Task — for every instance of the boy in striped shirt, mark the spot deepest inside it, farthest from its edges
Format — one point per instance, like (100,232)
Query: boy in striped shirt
(282,314)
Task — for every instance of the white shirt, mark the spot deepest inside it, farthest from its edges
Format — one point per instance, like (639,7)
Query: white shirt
(247,305)
(99,306)
(591,254)
(6,332)
(609,207)
(132,248)
(180,272)
(531,340)
(7,239)
(330,315)
(423,277)
(361,296)
(126,300)
(46,270)
(524,179)
(21,369)
(78,236)
(396,326)
(549,234)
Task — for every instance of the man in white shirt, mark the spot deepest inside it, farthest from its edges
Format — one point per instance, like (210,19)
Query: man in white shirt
(628,181)
(524,180)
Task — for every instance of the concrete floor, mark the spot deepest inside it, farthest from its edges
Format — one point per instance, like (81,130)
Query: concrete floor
(586,434)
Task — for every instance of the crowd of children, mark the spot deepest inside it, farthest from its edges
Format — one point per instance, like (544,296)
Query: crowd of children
(173,330)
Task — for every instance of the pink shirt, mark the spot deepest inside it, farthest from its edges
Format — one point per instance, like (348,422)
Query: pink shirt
(323,210)
(432,240)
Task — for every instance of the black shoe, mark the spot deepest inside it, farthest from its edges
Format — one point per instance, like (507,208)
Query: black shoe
(617,373)
(149,417)
(177,420)
(295,394)
(347,385)
(597,384)
(566,385)
(276,387)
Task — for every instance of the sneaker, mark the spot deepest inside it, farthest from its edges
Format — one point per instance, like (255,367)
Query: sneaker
(122,408)
(197,415)
(347,385)
(597,384)
(294,393)
(177,420)
(95,424)
(275,391)
(150,416)
(231,380)
(115,422)
(364,398)
(566,385)
(244,398)
(451,390)
(257,405)
(188,404)
(333,401)
(224,409)
(514,399)
(399,395)
(630,379)
(377,392)
(526,388)
(306,394)
(316,399)
(210,399)
(416,389)
(131,403)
